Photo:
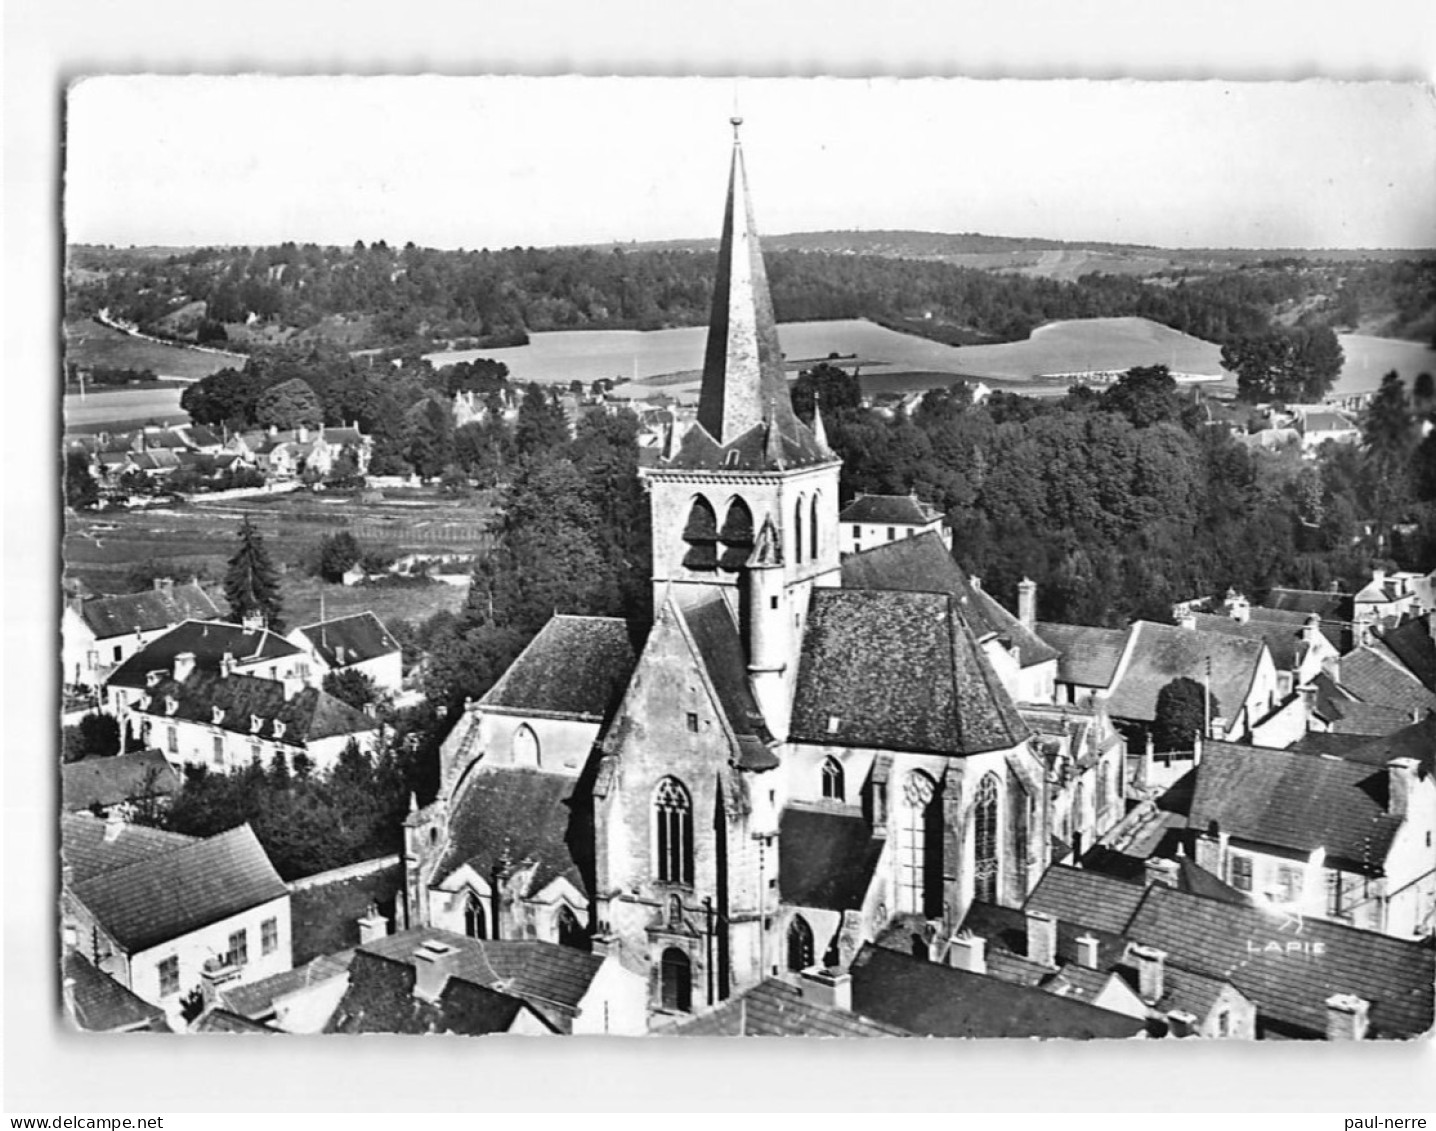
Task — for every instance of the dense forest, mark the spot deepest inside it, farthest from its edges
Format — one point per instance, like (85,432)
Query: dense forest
(375,296)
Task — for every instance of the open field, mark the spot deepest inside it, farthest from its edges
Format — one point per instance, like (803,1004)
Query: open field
(197,539)
(1369,359)
(89,343)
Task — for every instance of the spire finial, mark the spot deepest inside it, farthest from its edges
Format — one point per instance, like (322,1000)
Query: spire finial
(736,121)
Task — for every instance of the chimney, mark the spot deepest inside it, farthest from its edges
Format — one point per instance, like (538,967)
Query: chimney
(832,989)
(1151,972)
(1187,619)
(1088,949)
(226,665)
(975,581)
(184,666)
(302,434)
(1161,871)
(372,925)
(433,963)
(1311,629)
(1041,938)
(1346,1017)
(153,678)
(1180,1024)
(1400,781)
(968,952)
(213,977)
(165,584)
(114,825)
(1027,602)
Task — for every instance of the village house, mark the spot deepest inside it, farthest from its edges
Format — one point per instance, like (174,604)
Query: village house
(1298,647)
(224,720)
(1317,425)
(1317,836)
(873,520)
(124,783)
(99,634)
(1330,981)
(97,1003)
(206,646)
(151,909)
(818,1005)
(358,643)
(1240,674)
(1087,660)
(432,981)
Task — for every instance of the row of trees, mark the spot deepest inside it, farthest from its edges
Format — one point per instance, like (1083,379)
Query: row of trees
(389,296)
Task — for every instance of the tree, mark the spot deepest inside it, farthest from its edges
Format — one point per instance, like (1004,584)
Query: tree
(836,390)
(541,425)
(289,404)
(337,552)
(1285,365)
(1145,395)
(353,687)
(81,490)
(251,583)
(1182,714)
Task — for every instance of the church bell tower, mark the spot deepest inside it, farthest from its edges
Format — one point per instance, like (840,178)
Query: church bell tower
(747,500)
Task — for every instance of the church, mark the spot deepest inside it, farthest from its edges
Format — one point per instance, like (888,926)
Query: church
(806,751)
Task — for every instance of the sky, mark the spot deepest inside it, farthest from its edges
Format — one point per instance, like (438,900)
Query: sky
(538,161)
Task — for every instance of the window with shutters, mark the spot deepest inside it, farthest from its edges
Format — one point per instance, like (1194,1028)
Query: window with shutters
(1239,872)
(169,976)
(269,936)
(239,948)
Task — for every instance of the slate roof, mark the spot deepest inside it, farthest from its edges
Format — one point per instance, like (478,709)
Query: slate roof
(721,651)
(551,979)
(350,640)
(1325,422)
(380,999)
(889,510)
(777,1009)
(147,611)
(757,449)
(1286,645)
(1331,742)
(924,565)
(1290,982)
(1081,896)
(208,642)
(1413,644)
(898,671)
(86,853)
(1381,680)
(1297,802)
(575,666)
(1415,741)
(1160,653)
(1331,606)
(220,1020)
(1086,656)
(512,818)
(1005,929)
(99,1004)
(938,1001)
(256,999)
(168,894)
(1338,632)
(307,715)
(828,858)
(112,781)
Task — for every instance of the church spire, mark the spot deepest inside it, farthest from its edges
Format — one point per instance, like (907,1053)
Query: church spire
(743,366)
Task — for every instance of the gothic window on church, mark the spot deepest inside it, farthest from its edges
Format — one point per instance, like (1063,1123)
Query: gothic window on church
(832,780)
(813,531)
(569,930)
(1024,818)
(475,922)
(920,847)
(1104,786)
(798,531)
(676,981)
(985,856)
(737,536)
(673,832)
(701,535)
(800,944)
(526,746)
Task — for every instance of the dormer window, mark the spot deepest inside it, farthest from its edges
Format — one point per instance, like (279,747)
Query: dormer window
(144,702)
(255,722)
(278,729)
(217,715)
(171,704)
